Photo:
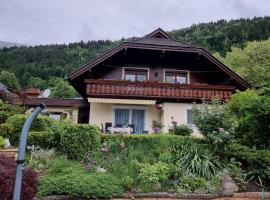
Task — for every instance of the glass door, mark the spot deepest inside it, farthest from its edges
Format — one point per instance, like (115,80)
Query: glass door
(121,117)
(138,120)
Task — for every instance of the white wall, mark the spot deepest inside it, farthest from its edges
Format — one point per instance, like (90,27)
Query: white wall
(179,113)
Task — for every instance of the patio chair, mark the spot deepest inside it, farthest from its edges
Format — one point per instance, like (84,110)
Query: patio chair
(107,125)
(133,127)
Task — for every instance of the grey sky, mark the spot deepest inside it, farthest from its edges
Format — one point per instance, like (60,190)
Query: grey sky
(62,21)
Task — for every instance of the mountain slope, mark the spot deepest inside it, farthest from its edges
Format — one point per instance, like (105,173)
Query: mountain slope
(10,44)
(45,61)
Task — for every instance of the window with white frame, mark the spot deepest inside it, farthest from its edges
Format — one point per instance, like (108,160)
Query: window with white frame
(135,74)
(174,76)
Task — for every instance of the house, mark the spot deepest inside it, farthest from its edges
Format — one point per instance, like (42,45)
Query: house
(57,108)
(152,78)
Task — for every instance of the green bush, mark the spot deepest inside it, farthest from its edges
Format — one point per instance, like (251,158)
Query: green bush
(255,161)
(234,169)
(152,177)
(5,129)
(252,110)
(79,140)
(7,110)
(70,178)
(1,142)
(214,122)
(165,157)
(183,130)
(42,123)
(190,183)
(49,138)
(39,138)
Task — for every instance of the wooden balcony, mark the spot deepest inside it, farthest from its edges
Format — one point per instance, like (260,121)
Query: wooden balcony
(152,90)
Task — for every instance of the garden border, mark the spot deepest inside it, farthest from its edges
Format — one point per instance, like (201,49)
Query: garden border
(166,195)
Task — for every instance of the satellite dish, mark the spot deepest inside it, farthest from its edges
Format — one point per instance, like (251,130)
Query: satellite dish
(46,93)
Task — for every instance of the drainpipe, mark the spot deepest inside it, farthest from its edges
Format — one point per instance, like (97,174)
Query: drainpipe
(21,153)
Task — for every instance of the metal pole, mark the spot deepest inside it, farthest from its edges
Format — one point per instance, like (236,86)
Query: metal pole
(21,153)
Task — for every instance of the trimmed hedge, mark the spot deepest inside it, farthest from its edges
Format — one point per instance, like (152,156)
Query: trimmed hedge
(78,140)
(42,123)
(39,138)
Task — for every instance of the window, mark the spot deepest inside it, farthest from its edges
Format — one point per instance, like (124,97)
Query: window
(58,115)
(190,121)
(131,116)
(176,77)
(132,74)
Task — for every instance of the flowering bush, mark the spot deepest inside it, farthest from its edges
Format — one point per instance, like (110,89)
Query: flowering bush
(214,123)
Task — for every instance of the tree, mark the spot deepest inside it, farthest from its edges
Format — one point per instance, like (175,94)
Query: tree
(252,62)
(63,90)
(10,80)
(252,111)
(37,82)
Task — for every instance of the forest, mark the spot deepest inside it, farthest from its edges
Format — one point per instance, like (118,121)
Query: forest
(234,42)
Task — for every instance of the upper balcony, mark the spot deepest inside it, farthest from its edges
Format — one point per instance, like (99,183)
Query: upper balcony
(153,90)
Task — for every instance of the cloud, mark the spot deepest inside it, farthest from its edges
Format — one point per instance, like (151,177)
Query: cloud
(59,21)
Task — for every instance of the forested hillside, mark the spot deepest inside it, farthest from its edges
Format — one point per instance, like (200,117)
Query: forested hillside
(38,64)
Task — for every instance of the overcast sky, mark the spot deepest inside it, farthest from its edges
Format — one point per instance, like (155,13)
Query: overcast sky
(63,21)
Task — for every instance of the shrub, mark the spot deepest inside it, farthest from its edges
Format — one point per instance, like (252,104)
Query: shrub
(151,177)
(195,160)
(233,168)
(70,178)
(252,110)
(257,161)
(7,177)
(190,183)
(41,123)
(165,157)
(79,140)
(61,166)
(5,129)
(7,110)
(84,185)
(39,138)
(127,182)
(215,124)
(1,142)
(40,158)
(183,130)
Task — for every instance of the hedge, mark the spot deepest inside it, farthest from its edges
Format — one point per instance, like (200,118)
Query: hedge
(78,140)
(153,144)
(39,138)
(42,123)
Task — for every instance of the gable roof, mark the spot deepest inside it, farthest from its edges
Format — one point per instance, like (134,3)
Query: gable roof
(158,33)
(158,40)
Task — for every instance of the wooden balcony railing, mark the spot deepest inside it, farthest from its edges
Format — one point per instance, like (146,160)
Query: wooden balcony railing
(120,89)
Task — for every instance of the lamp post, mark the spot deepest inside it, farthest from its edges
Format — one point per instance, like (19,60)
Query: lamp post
(21,153)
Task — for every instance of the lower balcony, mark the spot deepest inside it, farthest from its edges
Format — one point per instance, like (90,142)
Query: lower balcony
(153,90)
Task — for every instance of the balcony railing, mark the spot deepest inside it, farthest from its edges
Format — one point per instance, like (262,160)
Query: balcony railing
(120,89)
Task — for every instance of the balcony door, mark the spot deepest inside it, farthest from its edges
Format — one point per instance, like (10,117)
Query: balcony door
(134,116)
